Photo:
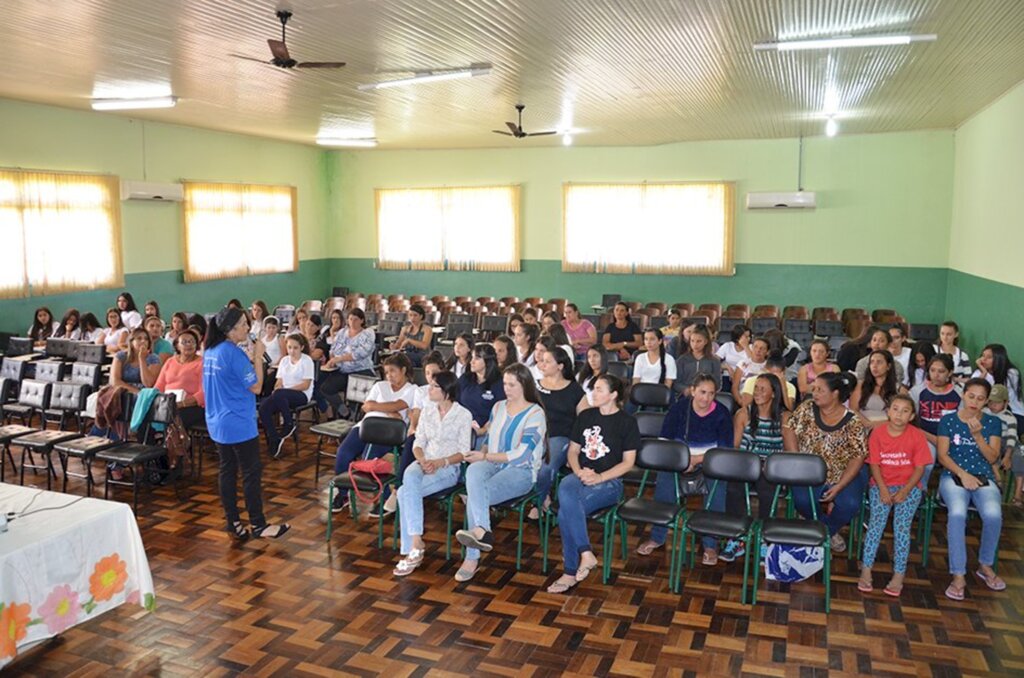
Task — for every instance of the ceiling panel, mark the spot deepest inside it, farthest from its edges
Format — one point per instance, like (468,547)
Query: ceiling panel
(619,72)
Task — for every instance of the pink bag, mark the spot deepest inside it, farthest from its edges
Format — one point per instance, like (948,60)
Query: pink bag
(373,468)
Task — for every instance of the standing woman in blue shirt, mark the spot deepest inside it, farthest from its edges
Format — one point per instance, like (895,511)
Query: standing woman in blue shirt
(231,383)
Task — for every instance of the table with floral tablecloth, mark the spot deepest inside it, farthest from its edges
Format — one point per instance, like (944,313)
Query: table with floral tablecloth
(65,560)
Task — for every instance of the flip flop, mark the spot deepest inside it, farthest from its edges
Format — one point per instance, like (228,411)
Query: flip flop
(954,593)
(865,588)
(583,572)
(993,582)
(561,587)
(465,575)
(648,547)
(892,592)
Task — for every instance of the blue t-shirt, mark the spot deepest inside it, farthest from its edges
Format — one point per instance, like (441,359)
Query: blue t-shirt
(962,447)
(479,399)
(162,346)
(230,405)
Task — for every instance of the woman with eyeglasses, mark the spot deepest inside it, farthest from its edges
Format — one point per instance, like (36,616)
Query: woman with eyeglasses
(183,373)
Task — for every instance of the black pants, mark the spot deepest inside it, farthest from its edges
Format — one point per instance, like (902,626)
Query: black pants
(736,504)
(335,384)
(244,456)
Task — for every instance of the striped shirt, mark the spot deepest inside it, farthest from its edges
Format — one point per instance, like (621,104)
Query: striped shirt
(521,437)
(766,439)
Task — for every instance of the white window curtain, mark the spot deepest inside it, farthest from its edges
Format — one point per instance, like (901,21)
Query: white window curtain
(463,229)
(668,228)
(233,230)
(61,233)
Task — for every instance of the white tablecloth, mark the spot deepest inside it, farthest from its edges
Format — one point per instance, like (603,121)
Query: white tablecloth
(65,565)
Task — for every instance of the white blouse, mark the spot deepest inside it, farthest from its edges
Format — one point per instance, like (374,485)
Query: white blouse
(440,438)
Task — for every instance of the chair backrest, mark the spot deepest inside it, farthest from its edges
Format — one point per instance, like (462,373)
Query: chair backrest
(35,394)
(494,323)
(828,328)
(359,386)
(650,423)
(90,353)
(731,465)
(13,369)
(661,454)
(791,326)
(382,431)
(725,399)
(49,370)
(795,469)
(923,332)
(86,373)
(59,348)
(419,377)
(618,369)
(725,325)
(657,322)
(19,346)
(763,324)
(66,395)
(650,395)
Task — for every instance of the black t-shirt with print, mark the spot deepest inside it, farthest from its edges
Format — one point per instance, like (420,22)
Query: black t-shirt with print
(603,438)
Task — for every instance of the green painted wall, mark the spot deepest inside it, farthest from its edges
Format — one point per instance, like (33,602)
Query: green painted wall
(46,137)
(987,312)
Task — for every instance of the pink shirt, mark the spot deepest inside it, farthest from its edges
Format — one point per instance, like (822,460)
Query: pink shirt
(581,332)
(187,377)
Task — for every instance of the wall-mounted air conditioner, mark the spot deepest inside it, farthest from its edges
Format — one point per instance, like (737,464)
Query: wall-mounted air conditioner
(781,201)
(152,191)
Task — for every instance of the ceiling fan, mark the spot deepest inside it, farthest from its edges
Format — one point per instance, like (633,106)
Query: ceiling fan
(517,129)
(279,51)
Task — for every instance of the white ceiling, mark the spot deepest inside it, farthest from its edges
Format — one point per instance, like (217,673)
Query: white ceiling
(621,72)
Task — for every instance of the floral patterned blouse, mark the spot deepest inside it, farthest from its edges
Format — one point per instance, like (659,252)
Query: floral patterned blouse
(837,445)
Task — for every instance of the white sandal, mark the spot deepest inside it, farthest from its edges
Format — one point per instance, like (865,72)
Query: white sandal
(408,565)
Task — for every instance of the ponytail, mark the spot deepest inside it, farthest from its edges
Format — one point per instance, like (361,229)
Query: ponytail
(661,352)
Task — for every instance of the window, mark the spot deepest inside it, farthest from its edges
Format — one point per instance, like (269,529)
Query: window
(60,233)
(677,228)
(234,230)
(461,229)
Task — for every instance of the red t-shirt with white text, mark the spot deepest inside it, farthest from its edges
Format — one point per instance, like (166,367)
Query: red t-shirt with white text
(897,456)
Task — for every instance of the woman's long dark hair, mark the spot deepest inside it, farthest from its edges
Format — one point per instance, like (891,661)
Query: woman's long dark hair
(63,329)
(522,374)
(510,350)
(39,331)
(486,353)
(777,408)
(129,302)
(452,359)
(1001,366)
(88,323)
(841,382)
(661,351)
(532,332)
(924,348)
(559,356)
(889,386)
(587,376)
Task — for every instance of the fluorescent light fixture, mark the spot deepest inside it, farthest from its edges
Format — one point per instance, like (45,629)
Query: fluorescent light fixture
(845,41)
(567,140)
(130,104)
(346,143)
(831,127)
(428,76)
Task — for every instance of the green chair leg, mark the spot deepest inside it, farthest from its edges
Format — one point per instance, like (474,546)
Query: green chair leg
(828,578)
(757,568)
(330,505)
(746,568)
(448,533)
(519,541)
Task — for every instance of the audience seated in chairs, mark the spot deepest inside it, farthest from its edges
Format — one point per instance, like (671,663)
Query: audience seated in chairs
(581,332)
(293,388)
(462,352)
(415,338)
(43,326)
(653,365)
(350,353)
(596,364)
(562,397)
(622,335)
(504,351)
(130,316)
(114,336)
(481,389)
(698,359)
(184,373)
(817,364)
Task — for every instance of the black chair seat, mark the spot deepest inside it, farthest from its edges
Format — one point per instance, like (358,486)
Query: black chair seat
(516,501)
(794,531)
(338,428)
(20,410)
(86,446)
(717,524)
(636,474)
(457,488)
(363,481)
(43,441)
(9,433)
(132,453)
(648,511)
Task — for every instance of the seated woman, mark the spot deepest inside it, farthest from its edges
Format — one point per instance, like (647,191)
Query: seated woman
(672,331)
(462,352)
(921,353)
(968,446)
(525,340)
(735,350)
(69,326)
(273,342)
(298,322)
(850,353)
(897,455)
(130,316)
(530,317)
(758,427)
(442,437)
(114,337)
(561,339)
(504,351)
(949,344)
(622,336)
(935,398)
(594,367)
(514,321)
(880,341)
(549,319)
(603,447)
(184,373)
(151,310)
(817,365)
(900,351)
(90,330)
(697,359)
(775,367)
(389,398)
(581,332)
(335,324)
(750,367)
(562,397)
(137,367)
(43,326)
(703,424)
(259,313)
(161,347)
(995,367)
(824,427)
(480,389)
(415,338)
(179,322)
(506,467)
(293,388)
(351,353)
(870,399)
(318,348)
(653,366)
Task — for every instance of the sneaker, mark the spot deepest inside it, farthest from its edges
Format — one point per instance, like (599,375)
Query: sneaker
(733,550)
(838,543)
(389,506)
(340,503)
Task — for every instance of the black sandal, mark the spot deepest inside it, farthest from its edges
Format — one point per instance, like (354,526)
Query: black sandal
(238,531)
(272,531)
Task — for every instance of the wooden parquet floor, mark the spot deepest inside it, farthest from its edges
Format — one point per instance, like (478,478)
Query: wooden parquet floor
(298,607)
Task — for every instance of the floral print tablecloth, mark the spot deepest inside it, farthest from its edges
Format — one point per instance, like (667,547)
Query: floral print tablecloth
(65,560)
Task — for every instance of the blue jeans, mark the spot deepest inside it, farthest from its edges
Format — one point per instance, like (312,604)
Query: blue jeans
(558,451)
(845,506)
(488,484)
(415,485)
(902,519)
(351,448)
(575,502)
(928,468)
(987,502)
(665,491)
